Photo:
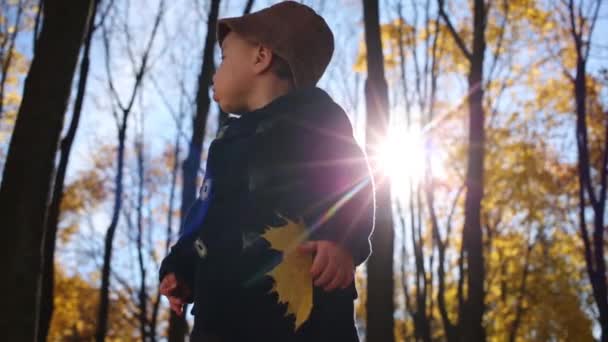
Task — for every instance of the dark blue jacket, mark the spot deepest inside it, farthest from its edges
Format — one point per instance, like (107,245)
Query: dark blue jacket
(296,156)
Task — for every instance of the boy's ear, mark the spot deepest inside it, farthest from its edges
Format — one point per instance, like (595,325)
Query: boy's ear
(263,59)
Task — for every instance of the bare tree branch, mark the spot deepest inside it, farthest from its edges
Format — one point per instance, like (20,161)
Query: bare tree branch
(453,32)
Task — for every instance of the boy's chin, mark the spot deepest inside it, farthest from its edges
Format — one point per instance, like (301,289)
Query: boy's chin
(227,108)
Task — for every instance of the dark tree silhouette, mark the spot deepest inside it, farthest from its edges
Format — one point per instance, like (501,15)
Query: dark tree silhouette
(52,222)
(582,19)
(28,173)
(380,304)
(471,312)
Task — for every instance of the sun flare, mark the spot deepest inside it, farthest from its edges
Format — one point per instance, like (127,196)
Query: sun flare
(402,157)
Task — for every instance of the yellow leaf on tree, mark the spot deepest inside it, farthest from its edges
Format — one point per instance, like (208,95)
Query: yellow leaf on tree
(292,279)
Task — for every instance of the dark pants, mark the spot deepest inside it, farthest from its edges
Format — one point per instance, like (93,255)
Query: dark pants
(331,320)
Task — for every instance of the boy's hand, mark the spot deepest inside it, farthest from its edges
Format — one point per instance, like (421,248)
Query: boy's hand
(176,291)
(332,266)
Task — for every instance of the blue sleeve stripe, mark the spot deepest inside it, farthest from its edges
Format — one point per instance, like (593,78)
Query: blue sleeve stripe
(197,214)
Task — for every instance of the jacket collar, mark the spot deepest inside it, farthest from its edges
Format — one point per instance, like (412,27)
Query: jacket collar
(294,104)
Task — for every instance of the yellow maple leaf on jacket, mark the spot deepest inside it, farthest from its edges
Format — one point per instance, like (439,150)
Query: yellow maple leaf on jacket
(292,279)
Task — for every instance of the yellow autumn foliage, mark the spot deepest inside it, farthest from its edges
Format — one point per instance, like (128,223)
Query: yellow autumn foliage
(13,60)
(75,311)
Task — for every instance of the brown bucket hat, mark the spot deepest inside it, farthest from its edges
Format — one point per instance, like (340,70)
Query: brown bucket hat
(293,31)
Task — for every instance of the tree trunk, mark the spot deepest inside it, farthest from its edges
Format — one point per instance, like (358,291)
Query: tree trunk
(104,300)
(472,327)
(122,121)
(380,305)
(47,281)
(142,294)
(471,311)
(594,249)
(248,7)
(28,173)
(177,325)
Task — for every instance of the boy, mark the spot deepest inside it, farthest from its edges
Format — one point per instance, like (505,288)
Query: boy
(288,165)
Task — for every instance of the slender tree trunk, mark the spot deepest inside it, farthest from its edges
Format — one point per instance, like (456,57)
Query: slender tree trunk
(248,7)
(407,301)
(519,306)
(125,111)
(422,327)
(420,98)
(104,302)
(472,329)
(28,173)
(142,294)
(47,281)
(177,325)
(594,249)
(471,312)
(380,304)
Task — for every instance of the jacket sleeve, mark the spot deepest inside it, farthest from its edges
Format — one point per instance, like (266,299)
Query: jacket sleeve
(182,257)
(338,187)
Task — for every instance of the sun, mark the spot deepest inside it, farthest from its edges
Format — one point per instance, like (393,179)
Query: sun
(402,158)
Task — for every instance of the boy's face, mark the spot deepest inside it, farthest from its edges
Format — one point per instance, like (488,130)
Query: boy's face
(233,79)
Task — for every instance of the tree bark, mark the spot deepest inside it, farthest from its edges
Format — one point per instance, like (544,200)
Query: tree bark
(104,301)
(472,326)
(52,222)
(471,320)
(380,303)
(28,173)
(594,249)
(142,294)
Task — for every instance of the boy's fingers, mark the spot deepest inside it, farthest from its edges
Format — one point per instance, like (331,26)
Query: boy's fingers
(169,283)
(176,305)
(176,300)
(307,247)
(336,281)
(319,263)
(164,287)
(175,308)
(327,275)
